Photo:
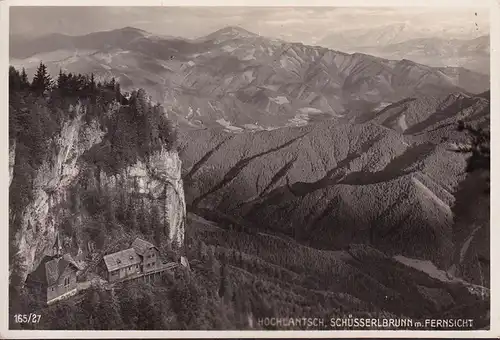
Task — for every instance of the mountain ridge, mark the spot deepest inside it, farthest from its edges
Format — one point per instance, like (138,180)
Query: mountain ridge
(336,183)
(136,41)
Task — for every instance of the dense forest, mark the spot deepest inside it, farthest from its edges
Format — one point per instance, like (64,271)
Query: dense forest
(236,276)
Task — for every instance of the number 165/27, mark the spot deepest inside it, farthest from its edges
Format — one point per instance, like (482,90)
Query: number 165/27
(27,318)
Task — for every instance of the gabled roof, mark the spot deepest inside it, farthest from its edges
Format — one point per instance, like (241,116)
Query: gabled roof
(53,268)
(142,246)
(70,259)
(40,274)
(56,266)
(121,259)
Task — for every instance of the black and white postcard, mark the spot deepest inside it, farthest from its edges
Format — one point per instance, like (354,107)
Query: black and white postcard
(248,168)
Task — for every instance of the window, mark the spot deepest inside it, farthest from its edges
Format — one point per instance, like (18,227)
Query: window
(66,281)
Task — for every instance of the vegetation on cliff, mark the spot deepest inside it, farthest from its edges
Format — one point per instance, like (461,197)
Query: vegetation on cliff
(37,110)
(133,127)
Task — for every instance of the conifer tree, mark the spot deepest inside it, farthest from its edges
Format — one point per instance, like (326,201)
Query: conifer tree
(110,210)
(225,289)
(202,251)
(14,80)
(92,84)
(118,92)
(132,215)
(156,226)
(60,79)
(42,82)
(141,107)
(122,211)
(25,83)
(158,236)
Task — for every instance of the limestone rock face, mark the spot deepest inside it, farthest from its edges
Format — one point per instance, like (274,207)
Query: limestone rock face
(37,223)
(156,181)
(12,160)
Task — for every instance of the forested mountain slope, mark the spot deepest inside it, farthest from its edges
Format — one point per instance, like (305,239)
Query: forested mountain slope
(371,181)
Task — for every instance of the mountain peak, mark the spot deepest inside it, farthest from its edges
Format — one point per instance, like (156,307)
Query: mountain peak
(130,29)
(230,32)
(235,30)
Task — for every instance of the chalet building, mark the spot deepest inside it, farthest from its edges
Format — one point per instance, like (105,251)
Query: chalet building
(149,254)
(122,264)
(55,277)
(141,258)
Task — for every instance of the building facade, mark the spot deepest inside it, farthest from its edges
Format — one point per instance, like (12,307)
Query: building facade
(123,264)
(55,278)
(61,278)
(149,254)
(141,258)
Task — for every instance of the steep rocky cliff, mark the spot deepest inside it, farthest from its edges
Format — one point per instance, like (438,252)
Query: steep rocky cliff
(156,181)
(12,160)
(155,178)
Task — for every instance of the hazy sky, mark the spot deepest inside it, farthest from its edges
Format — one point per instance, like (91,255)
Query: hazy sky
(305,24)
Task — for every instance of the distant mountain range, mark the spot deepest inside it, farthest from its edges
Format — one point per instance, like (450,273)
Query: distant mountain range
(425,46)
(473,54)
(240,80)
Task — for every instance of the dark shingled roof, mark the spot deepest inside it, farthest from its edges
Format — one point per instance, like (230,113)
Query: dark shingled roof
(40,274)
(142,246)
(55,267)
(70,259)
(121,259)
(50,269)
